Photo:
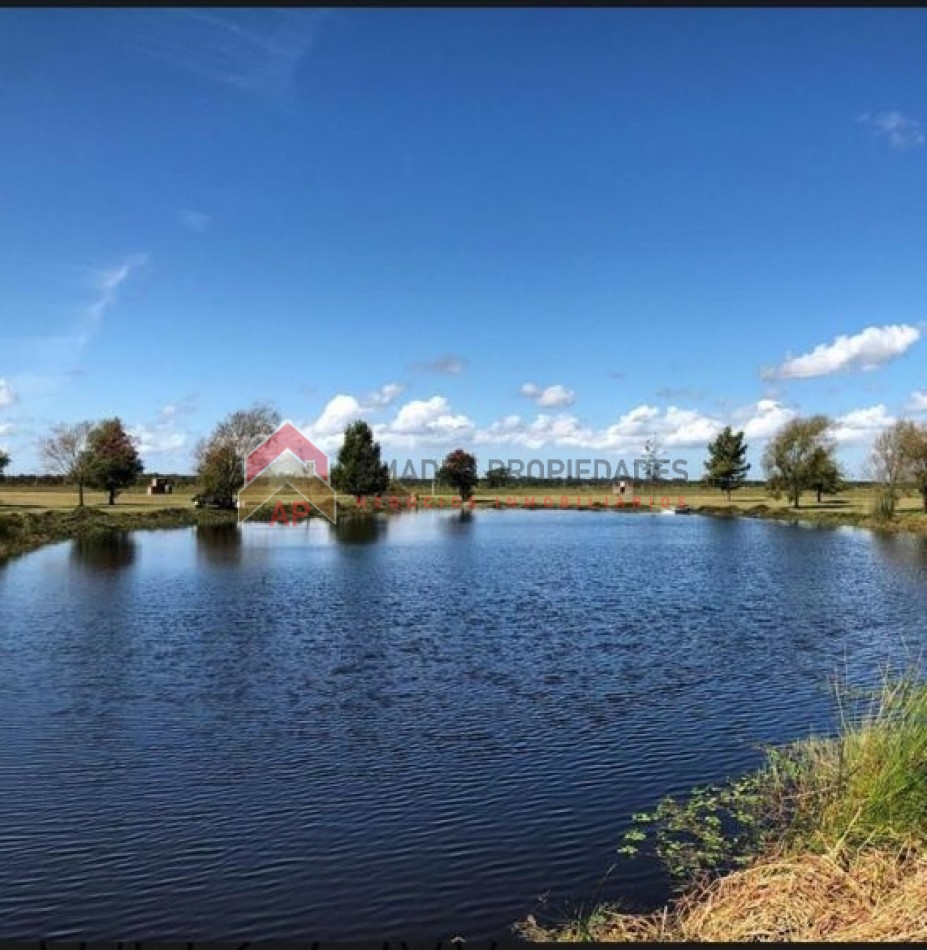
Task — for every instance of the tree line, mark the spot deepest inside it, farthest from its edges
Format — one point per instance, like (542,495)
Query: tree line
(799,457)
(359,470)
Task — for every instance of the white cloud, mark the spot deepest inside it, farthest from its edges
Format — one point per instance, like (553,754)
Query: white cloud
(867,350)
(197,221)
(384,396)
(7,428)
(7,395)
(343,409)
(544,430)
(166,437)
(918,401)
(675,428)
(900,131)
(862,424)
(328,430)
(417,423)
(687,428)
(425,421)
(434,423)
(107,283)
(762,420)
(549,397)
(157,440)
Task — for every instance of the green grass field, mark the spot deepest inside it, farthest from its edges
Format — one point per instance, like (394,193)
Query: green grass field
(57,499)
(854,502)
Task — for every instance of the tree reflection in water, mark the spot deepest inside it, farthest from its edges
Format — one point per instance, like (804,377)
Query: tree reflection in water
(219,543)
(104,551)
(360,529)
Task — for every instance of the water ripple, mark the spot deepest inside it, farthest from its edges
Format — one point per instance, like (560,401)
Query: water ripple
(274,734)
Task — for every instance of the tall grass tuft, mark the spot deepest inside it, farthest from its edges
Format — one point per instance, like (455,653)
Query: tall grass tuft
(865,786)
(829,835)
(884,503)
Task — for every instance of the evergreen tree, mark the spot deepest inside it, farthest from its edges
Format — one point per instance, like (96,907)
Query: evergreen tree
(725,466)
(359,471)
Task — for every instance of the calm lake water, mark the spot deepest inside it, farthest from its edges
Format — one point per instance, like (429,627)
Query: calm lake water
(410,728)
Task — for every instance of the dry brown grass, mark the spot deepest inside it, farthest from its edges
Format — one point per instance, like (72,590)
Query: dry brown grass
(847,859)
(873,895)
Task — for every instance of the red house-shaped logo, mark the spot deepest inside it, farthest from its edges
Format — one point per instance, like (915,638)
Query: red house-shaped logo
(287,464)
(285,442)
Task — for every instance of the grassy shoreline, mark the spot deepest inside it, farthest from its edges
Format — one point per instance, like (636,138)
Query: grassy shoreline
(904,522)
(29,520)
(22,532)
(822,516)
(826,841)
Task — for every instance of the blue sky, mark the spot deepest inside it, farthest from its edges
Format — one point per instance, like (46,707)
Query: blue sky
(533,233)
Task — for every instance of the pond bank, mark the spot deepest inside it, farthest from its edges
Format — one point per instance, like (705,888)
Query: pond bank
(907,521)
(826,841)
(21,532)
(914,522)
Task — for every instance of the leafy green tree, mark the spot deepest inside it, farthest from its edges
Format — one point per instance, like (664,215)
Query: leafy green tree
(497,477)
(825,477)
(4,461)
(63,452)
(219,470)
(789,458)
(110,462)
(459,471)
(359,470)
(915,457)
(887,463)
(726,467)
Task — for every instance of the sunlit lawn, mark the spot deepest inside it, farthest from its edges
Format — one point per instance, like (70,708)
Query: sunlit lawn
(852,501)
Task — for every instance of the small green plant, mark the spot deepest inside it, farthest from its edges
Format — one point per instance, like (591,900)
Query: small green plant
(866,785)
(715,827)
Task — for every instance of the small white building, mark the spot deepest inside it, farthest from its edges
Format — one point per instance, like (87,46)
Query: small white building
(161,486)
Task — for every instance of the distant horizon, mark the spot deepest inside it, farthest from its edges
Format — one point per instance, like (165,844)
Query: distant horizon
(524,480)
